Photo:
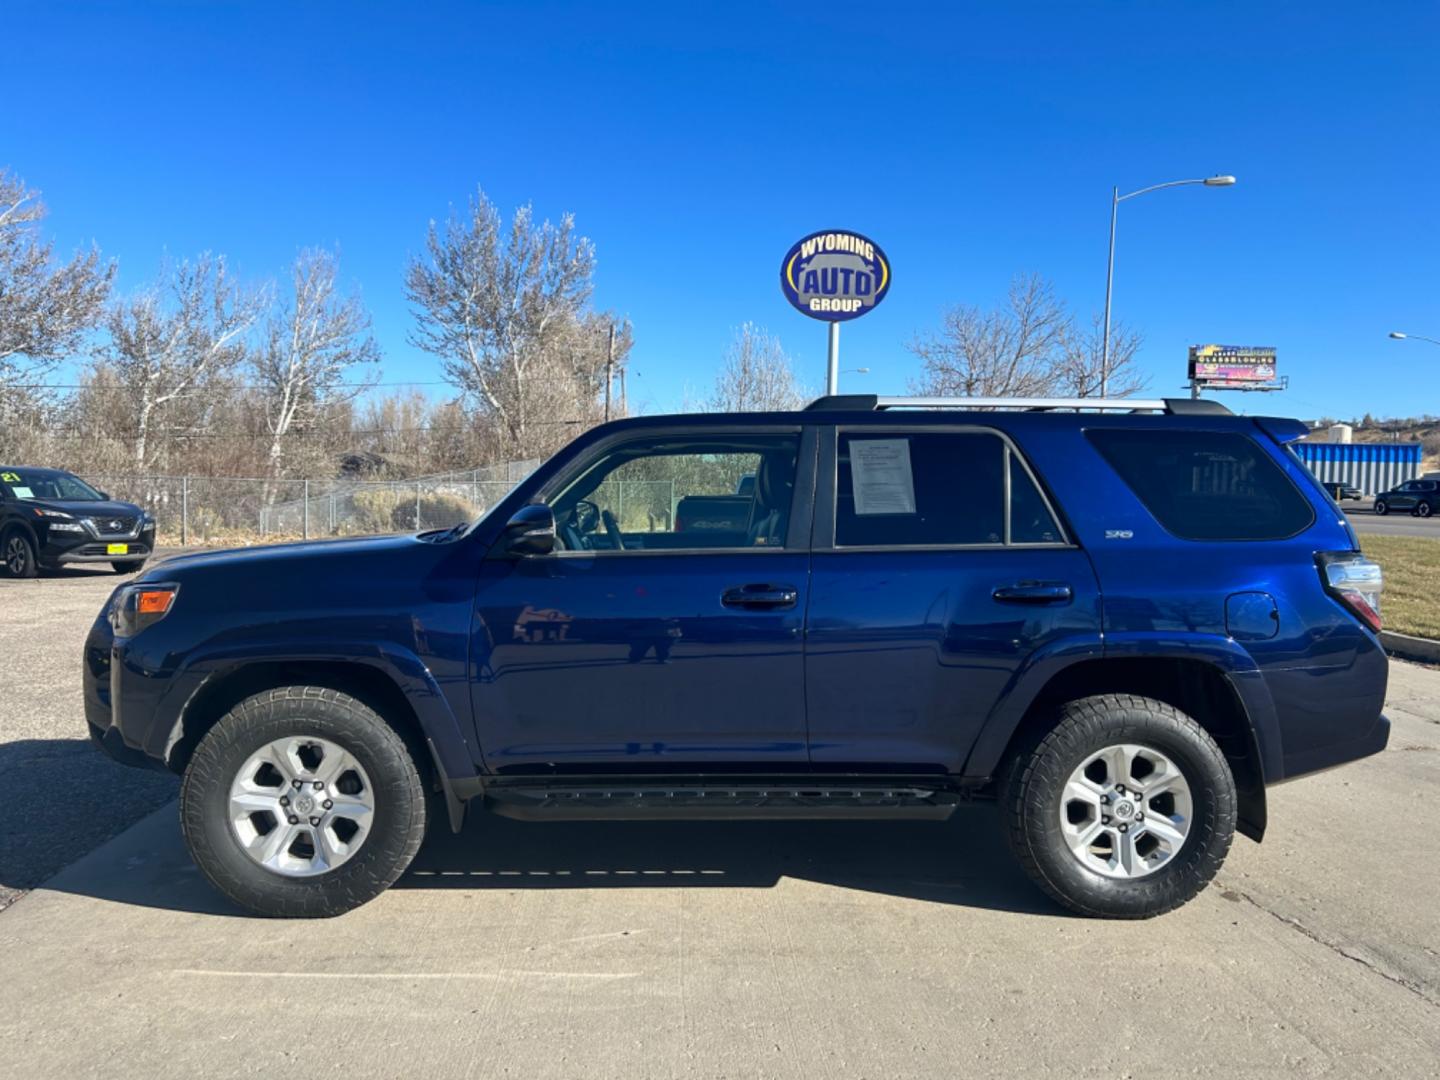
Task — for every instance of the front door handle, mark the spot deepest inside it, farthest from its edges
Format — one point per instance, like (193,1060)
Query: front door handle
(760,596)
(1034,592)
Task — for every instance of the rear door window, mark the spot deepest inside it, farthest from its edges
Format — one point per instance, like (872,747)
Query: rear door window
(928,489)
(1206,485)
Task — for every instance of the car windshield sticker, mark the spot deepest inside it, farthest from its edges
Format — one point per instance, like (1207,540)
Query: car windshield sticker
(10,477)
(22,493)
(880,476)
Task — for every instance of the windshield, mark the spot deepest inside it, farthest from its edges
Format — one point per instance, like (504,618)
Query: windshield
(34,484)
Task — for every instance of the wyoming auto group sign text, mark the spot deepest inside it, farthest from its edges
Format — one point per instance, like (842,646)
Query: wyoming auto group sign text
(835,275)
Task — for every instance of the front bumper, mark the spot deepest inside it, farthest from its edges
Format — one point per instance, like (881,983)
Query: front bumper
(98,552)
(95,545)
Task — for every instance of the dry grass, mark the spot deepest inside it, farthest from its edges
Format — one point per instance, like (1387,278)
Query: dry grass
(1412,582)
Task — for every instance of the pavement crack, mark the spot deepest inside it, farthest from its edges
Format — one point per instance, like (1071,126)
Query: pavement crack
(1339,950)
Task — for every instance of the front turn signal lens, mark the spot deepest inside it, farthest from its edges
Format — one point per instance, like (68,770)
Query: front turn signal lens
(154,601)
(137,606)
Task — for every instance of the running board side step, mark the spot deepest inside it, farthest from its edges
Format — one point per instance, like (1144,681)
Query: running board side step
(720,801)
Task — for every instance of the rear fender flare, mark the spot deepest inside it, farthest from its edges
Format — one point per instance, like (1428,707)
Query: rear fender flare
(1224,654)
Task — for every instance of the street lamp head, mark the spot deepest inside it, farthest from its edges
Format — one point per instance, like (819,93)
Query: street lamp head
(1219,181)
(1398,336)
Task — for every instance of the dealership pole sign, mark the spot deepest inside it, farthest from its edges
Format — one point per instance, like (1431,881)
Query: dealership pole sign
(835,276)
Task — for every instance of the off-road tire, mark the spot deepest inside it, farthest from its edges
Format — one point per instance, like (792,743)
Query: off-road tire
(399,816)
(1034,785)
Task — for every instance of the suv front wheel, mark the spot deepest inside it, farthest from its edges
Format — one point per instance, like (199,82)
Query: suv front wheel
(1125,809)
(302,801)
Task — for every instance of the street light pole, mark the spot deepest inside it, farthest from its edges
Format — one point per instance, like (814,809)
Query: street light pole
(1115,200)
(1398,336)
(1109,285)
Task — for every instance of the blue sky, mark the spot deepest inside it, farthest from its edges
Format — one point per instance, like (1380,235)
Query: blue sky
(696,142)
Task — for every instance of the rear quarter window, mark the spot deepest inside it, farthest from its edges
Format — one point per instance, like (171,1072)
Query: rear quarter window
(1206,485)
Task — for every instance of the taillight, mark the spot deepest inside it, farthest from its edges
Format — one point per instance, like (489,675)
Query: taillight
(1355,581)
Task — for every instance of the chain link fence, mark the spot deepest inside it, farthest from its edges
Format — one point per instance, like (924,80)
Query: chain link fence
(206,510)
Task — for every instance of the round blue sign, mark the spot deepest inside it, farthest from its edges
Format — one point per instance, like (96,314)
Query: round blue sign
(835,275)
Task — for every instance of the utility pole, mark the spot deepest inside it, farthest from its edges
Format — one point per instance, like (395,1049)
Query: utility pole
(609,369)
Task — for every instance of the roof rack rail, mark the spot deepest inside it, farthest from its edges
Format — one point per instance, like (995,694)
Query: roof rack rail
(874,402)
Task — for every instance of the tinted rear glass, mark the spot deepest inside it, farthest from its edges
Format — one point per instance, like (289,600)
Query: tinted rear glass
(1206,485)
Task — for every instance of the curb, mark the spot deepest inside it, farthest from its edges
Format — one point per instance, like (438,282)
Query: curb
(1426,650)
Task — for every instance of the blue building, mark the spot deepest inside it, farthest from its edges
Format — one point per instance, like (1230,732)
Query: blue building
(1371,467)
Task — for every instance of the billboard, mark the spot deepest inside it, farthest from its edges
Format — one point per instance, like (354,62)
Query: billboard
(1235,364)
(835,275)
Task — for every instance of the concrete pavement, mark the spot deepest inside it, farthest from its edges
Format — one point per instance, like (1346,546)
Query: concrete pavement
(761,949)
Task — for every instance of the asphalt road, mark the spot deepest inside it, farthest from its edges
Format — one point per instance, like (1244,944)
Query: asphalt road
(703,950)
(1362,515)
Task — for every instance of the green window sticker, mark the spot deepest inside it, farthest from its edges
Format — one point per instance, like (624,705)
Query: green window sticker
(10,477)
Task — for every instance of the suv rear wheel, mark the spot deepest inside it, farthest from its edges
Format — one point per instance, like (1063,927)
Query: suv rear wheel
(1423,509)
(1125,809)
(301,801)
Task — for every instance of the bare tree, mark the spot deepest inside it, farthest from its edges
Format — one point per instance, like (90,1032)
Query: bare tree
(1078,370)
(756,376)
(167,340)
(1009,351)
(45,306)
(1029,347)
(313,340)
(499,307)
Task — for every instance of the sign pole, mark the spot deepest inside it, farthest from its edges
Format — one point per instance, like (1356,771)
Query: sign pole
(832,373)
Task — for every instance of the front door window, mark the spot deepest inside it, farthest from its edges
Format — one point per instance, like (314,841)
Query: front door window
(682,494)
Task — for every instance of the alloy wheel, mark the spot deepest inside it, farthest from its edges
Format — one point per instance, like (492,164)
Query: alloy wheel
(17,555)
(301,806)
(1126,811)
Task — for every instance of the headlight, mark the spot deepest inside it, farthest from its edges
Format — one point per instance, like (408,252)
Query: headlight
(147,523)
(40,511)
(139,606)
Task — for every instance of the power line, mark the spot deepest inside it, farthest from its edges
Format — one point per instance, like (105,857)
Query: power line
(343,433)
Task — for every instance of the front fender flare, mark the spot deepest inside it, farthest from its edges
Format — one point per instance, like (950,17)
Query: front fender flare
(438,724)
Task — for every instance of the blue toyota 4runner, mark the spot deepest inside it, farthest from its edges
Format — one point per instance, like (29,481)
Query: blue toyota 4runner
(1121,620)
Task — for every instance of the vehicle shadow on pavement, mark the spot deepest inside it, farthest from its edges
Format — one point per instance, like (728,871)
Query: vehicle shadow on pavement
(62,799)
(961,861)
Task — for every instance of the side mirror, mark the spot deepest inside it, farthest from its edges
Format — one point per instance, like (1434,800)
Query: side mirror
(531,531)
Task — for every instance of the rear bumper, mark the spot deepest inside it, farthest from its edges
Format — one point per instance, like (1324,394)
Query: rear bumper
(1332,754)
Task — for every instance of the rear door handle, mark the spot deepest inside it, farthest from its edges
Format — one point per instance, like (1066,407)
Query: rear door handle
(760,596)
(1034,592)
